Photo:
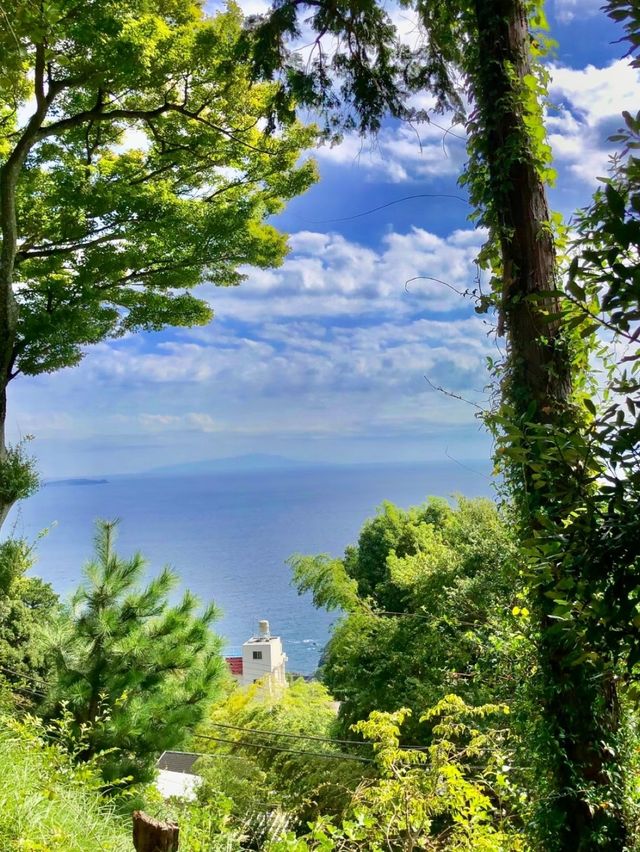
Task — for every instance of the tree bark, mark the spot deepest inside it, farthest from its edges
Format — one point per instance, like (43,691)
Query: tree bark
(9,176)
(579,708)
(8,307)
(151,835)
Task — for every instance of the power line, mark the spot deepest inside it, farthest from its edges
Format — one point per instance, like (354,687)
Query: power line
(20,688)
(332,740)
(22,675)
(287,735)
(328,755)
(384,206)
(245,730)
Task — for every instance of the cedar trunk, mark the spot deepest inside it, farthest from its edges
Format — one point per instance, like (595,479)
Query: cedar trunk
(579,708)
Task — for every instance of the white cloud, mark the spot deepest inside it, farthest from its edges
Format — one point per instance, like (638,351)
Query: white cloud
(326,276)
(330,347)
(567,10)
(198,421)
(596,93)
(402,152)
(587,103)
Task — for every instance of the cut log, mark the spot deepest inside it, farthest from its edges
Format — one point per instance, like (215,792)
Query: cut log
(151,835)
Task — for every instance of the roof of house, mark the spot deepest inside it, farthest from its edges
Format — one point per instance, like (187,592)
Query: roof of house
(235,665)
(177,761)
(261,640)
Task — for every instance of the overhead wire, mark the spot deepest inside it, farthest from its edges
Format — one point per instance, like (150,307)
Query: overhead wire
(332,740)
(287,735)
(21,688)
(388,204)
(23,675)
(328,755)
(240,728)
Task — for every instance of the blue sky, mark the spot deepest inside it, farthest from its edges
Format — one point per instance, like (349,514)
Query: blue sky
(326,357)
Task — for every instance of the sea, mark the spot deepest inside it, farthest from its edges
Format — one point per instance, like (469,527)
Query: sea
(228,534)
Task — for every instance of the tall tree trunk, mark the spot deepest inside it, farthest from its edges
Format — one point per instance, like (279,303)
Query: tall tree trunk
(9,176)
(579,708)
(8,312)
(5,504)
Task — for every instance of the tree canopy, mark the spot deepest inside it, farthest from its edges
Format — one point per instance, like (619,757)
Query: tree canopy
(137,161)
(24,603)
(432,613)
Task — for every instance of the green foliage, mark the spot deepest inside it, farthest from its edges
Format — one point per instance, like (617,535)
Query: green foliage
(433,616)
(49,803)
(573,470)
(139,671)
(18,474)
(139,165)
(569,473)
(603,286)
(326,579)
(431,799)
(206,825)
(259,779)
(25,605)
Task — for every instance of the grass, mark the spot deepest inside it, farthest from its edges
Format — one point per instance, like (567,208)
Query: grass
(45,806)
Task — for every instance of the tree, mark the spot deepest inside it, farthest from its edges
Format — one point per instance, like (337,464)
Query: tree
(432,799)
(603,288)
(543,418)
(25,604)
(136,162)
(273,755)
(136,674)
(432,614)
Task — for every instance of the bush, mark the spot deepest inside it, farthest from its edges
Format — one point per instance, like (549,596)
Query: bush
(18,474)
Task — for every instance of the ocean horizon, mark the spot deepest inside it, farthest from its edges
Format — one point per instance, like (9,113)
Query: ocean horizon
(228,533)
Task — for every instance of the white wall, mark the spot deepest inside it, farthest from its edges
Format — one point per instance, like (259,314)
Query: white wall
(271,661)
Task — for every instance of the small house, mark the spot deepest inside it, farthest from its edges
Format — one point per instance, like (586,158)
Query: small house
(263,658)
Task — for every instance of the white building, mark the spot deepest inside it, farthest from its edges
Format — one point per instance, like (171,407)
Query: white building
(262,659)
(176,778)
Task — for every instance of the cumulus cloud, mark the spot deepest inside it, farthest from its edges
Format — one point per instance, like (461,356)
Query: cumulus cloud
(330,347)
(403,152)
(327,275)
(391,356)
(587,104)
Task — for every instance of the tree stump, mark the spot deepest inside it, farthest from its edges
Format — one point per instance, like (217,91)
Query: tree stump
(151,835)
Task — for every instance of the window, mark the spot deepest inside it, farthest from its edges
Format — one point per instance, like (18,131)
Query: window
(257,655)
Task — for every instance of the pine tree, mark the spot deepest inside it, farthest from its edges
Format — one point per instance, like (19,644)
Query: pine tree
(135,672)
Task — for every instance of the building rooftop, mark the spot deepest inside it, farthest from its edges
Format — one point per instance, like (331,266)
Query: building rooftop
(177,761)
(261,639)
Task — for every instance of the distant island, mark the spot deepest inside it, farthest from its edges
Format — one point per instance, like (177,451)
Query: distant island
(75,482)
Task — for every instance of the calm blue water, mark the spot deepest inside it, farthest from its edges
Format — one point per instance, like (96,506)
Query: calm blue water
(228,535)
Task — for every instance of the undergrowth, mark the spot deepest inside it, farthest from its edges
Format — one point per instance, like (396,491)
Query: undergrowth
(46,804)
